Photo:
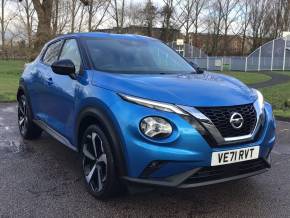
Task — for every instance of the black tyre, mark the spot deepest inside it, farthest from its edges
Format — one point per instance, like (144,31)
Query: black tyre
(98,164)
(28,129)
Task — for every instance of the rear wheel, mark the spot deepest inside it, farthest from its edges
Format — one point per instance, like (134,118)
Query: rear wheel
(98,164)
(27,128)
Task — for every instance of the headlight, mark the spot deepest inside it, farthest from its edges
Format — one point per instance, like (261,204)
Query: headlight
(155,127)
(260,98)
(153,104)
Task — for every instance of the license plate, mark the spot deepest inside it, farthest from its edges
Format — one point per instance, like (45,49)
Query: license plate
(234,156)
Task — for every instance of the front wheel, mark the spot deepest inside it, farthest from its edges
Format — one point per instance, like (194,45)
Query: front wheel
(98,164)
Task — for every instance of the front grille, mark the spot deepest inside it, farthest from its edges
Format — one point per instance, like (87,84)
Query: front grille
(225,171)
(220,116)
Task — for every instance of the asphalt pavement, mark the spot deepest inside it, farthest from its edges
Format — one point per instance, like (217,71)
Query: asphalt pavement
(276,79)
(42,179)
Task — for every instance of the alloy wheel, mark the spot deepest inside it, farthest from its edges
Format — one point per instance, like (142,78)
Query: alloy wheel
(94,162)
(22,115)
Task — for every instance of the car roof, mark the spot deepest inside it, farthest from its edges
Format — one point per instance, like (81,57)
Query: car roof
(103,36)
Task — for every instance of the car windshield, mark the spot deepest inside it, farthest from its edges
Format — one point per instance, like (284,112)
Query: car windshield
(135,56)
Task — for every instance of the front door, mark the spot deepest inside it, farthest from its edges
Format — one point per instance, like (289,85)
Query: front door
(61,113)
(41,86)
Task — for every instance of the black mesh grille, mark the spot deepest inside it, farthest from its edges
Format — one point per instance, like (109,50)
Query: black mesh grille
(220,116)
(225,171)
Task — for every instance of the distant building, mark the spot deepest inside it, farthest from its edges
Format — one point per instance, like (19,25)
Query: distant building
(142,30)
(230,45)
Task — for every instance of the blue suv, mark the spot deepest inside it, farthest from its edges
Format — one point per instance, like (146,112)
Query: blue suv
(138,112)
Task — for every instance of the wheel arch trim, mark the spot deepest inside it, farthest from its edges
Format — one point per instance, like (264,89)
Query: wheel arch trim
(22,87)
(111,127)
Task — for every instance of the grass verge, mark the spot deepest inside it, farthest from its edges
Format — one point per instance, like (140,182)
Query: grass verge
(248,77)
(10,71)
(278,95)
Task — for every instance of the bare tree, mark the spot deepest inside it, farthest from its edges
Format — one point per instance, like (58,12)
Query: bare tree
(5,20)
(3,23)
(257,14)
(280,17)
(186,17)
(199,5)
(118,13)
(167,13)
(63,18)
(134,14)
(44,13)
(261,20)
(286,15)
(27,18)
(245,21)
(230,11)
(150,14)
(97,10)
(215,24)
(81,17)
(55,16)
(75,6)
(190,16)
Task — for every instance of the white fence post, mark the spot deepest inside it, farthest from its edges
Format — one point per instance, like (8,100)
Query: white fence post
(191,51)
(207,63)
(272,59)
(259,62)
(246,64)
(284,58)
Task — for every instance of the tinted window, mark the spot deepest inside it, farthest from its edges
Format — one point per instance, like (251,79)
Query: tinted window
(71,51)
(135,56)
(52,53)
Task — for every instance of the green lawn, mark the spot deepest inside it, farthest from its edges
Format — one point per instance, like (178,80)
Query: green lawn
(277,96)
(248,77)
(9,77)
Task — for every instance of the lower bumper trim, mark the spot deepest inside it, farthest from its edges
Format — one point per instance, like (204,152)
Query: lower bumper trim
(208,175)
(222,180)
(173,181)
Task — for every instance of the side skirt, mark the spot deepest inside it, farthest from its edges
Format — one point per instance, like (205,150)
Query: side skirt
(55,134)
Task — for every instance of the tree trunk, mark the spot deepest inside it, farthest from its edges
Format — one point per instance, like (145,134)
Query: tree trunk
(286,17)
(55,23)
(73,16)
(28,24)
(243,42)
(150,27)
(81,19)
(2,25)
(90,16)
(116,15)
(44,13)
(122,15)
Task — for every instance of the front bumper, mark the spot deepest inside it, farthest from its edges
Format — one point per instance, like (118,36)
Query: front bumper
(209,175)
(185,154)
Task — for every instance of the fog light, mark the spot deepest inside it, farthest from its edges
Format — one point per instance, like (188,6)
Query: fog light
(155,127)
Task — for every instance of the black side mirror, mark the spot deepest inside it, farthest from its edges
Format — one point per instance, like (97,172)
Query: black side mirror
(64,67)
(196,67)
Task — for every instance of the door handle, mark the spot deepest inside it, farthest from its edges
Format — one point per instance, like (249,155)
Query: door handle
(49,81)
